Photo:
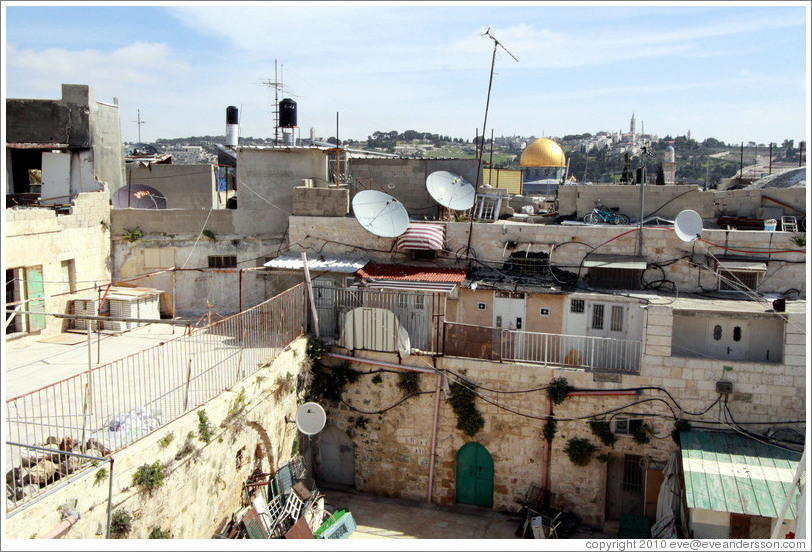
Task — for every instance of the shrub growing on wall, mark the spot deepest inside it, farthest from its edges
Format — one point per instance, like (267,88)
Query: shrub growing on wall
(603,431)
(580,451)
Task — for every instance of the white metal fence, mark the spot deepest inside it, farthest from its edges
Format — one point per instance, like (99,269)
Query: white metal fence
(113,405)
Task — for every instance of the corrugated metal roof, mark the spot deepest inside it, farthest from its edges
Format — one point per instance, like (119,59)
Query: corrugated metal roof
(325,263)
(726,472)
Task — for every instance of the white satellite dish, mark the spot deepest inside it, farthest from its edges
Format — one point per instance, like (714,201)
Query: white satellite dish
(310,418)
(688,225)
(380,213)
(450,190)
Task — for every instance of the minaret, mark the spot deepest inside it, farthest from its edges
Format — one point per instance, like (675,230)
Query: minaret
(633,124)
(669,165)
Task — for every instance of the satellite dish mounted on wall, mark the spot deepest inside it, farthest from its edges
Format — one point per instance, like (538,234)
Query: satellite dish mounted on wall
(380,213)
(688,225)
(310,418)
(450,190)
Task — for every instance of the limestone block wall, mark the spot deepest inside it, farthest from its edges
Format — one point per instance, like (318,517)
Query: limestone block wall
(175,222)
(668,201)
(393,444)
(200,490)
(40,237)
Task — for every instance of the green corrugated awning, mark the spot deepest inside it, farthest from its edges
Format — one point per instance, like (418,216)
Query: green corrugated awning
(727,472)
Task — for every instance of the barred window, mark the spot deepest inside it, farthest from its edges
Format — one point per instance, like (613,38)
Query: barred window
(577,306)
(616,324)
(597,317)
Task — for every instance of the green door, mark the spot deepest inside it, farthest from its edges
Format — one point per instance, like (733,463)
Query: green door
(474,475)
(33,280)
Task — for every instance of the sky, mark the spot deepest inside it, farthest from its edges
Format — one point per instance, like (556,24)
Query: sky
(732,71)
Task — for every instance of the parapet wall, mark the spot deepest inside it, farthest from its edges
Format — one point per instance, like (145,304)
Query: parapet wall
(200,490)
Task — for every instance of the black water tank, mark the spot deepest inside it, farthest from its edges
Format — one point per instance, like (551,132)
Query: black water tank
(232,116)
(287,113)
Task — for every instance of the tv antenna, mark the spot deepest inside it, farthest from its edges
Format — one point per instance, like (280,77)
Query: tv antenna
(140,122)
(278,85)
(496,45)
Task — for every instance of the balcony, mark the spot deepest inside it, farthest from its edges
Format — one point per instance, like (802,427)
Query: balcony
(595,354)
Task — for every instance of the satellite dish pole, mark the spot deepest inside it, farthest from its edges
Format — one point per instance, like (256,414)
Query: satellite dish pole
(496,44)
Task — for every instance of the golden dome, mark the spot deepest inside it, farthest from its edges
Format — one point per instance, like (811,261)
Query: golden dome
(543,153)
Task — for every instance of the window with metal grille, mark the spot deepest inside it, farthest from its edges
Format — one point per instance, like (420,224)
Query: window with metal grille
(597,316)
(577,306)
(222,261)
(733,280)
(616,323)
(632,474)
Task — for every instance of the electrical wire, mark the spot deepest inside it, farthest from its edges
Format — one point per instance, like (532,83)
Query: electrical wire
(401,401)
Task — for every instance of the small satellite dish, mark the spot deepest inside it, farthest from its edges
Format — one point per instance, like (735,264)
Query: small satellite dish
(688,225)
(310,418)
(380,213)
(450,190)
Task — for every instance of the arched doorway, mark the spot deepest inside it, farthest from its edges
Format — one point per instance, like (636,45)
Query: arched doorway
(336,457)
(474,475)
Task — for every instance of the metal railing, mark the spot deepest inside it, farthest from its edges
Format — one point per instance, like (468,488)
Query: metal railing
(597,354)
(46,470)
(115,404)
(419,313)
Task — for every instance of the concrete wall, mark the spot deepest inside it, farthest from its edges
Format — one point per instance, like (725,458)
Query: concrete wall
(105,129)
(265,182)
(405,179)
(707,524)
(183,186)
(201,490)
(47,122)
(325,202)
(668,201)
(40,237)
(694,269)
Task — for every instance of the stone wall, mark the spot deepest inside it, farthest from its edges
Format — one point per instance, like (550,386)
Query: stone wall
(41,237)
(200,490)
(393,444)
(693,269)
(668,201)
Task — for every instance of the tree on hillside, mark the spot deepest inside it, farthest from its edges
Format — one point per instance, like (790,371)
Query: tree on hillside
(660,175)
(627,177)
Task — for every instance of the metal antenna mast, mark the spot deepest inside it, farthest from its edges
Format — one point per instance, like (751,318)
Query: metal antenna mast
(481,148)
(140,122)
(277,85)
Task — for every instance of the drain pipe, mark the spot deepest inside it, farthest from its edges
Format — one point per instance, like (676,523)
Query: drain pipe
(63,527)
(432,458)
(436,372)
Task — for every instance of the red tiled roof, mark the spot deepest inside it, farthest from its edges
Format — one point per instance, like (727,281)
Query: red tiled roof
(412,273)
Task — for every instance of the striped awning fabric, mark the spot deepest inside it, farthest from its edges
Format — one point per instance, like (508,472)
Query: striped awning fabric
(420,235)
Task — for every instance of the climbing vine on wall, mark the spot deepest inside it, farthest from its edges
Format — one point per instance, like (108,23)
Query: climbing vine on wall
(409,382)
(329,382)
(469,419)
(603,431)
(550,428)
(558,390)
